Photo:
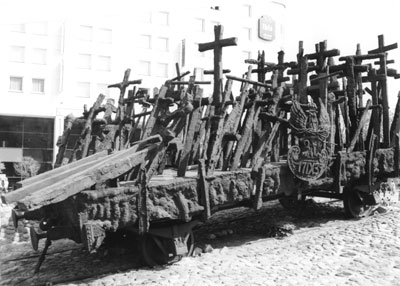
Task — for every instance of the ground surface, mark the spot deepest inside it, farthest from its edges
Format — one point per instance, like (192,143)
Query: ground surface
(273,247)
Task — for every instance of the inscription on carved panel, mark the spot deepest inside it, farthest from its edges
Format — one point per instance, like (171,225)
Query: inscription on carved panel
(308,160)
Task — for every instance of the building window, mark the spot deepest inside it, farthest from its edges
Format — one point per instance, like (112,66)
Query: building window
(15,83)
(199,25)
(83,89)
(103,88)
(38,85)
(39,56)
(162,70)
(145,41)
(104,63)
(17,54)
(162,44)
(247,10)
(246,55)
(246,33)
(31,139)
(39,28)
(162,18)
(145,17)
(86,33)
(84,61)
(104,36)
(144,68)
(20,28)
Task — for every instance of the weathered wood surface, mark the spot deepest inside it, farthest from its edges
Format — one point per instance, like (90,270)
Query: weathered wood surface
(176,198)
(63,141)
(91,173)
(82,144)
(110,168)
(195,117)
(217,46)
(43,180)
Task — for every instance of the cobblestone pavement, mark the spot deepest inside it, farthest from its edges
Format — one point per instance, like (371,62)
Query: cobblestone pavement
(324,249)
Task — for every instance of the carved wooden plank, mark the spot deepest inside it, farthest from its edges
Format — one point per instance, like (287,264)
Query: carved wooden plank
(111,167)
(351,90)
(247,129)
(364,119)
(204,190)
(194,122)
(151,121)
(66,174)
(51,177)
(82,144)
(233,120)
(217,132)
(375,122)
(265,143)
(62,145)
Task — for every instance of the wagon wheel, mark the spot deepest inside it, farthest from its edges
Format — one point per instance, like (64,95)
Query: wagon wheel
(157,250)
(355,203)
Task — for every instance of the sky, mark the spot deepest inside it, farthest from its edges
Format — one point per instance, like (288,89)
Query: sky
(343,23)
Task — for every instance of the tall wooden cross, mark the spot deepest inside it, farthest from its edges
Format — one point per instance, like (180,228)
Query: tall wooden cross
(217,46)
(261,69)
(321,54)
(382,49)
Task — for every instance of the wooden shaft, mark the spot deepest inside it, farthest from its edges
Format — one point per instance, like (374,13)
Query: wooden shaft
(212,71)
(327,54)
(256,83)
(220,43)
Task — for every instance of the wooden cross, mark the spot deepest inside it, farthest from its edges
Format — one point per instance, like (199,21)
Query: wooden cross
(217,46)
(262,66)
(322,54)
(303,68)
(381,46)
(279,69)
(122,86)
(382,49)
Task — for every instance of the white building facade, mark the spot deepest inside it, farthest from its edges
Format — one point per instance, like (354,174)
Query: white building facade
(52,67)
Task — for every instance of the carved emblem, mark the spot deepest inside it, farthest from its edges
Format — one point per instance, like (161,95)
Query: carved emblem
(309,159)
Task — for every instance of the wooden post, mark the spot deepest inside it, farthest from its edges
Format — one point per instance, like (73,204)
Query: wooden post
(375,123)
(195,117)
(233,121)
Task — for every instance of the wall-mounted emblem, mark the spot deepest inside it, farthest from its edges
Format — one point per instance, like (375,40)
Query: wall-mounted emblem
(266,28)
